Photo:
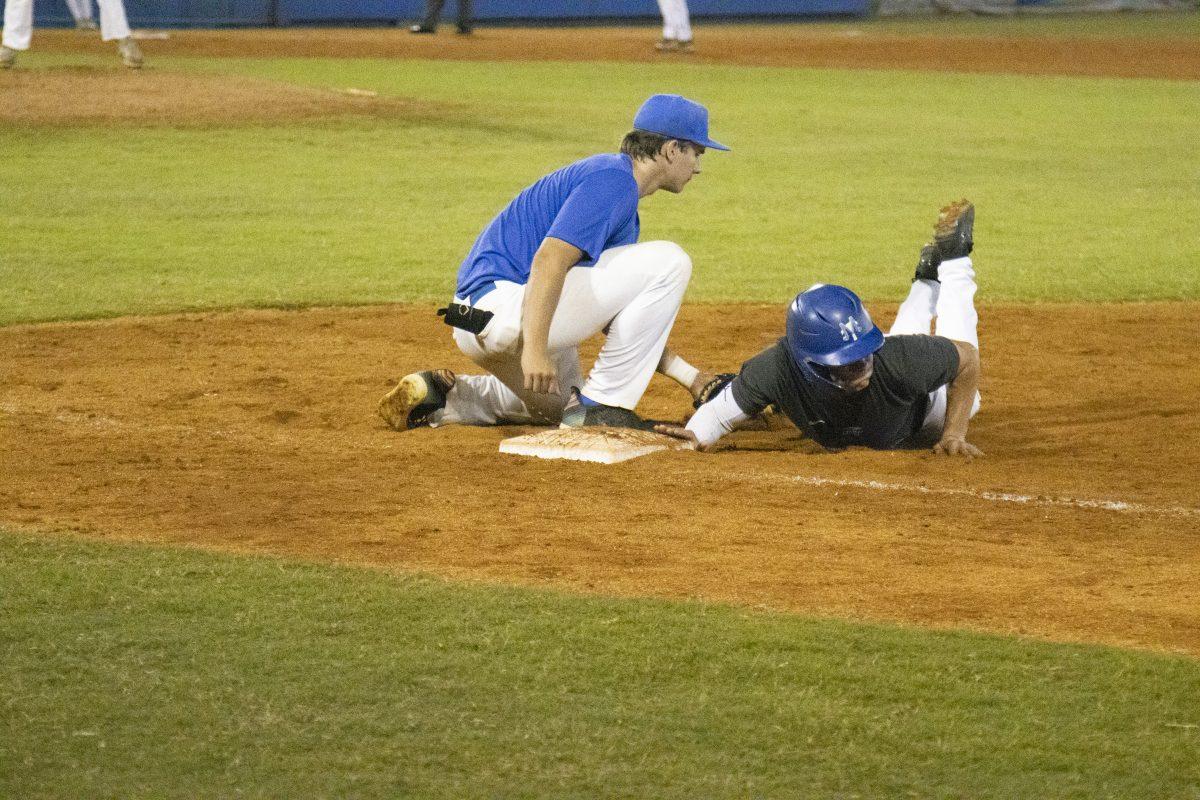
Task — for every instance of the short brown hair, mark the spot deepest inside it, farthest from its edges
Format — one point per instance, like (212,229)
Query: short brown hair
(643,145)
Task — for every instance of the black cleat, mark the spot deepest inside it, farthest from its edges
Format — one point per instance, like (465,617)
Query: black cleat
(577,415)
(422,29)
(953,232)
(415,399)
(928,263)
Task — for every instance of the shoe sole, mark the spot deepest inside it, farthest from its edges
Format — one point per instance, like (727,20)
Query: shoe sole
(946,226)
(397,405)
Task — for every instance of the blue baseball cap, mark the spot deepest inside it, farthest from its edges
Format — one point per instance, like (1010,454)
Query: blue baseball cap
(676,117)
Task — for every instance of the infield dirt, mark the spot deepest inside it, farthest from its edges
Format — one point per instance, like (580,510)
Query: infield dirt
(864,47)
(256,432)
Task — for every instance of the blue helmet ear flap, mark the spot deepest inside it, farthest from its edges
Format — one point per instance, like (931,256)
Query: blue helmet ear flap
(828,326)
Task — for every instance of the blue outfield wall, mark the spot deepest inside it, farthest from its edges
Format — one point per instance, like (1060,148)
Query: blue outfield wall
(208,13)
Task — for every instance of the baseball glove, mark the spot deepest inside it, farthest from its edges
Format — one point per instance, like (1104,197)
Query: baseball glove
(713,388)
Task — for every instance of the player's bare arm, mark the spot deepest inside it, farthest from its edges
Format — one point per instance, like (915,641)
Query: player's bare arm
(550,264)
(960,395)
(675,367)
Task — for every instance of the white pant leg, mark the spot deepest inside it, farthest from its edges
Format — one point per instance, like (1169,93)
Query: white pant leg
(956,319)
(633,291)
(677,23)
(113,22)
(918,309)
(80,9)
(501,396)
(18,24)
(956,315)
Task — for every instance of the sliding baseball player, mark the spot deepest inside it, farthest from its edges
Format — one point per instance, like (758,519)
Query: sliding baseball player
(838,379)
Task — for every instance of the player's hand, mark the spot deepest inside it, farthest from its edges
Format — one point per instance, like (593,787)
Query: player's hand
(680,432)
(956,446)
(540,375)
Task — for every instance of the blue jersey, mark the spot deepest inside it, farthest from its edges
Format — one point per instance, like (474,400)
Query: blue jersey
(591,204)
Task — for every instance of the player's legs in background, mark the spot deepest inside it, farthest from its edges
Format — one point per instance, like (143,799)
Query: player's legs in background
(677,26)
(433,12)
(81,12)
(668,31)
(464,16)
(683,21)
(18,24)
(114,25)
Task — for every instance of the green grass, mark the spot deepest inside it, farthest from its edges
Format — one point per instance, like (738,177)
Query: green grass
(142,672)
(1130,25)
(130,671)
(1086,187)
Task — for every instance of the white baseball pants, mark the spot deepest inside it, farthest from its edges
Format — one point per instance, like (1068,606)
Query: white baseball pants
(18,22)
(632,293)
(952,304)
(677,24)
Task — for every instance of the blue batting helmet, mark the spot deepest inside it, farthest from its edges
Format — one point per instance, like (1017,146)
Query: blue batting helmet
(827,326)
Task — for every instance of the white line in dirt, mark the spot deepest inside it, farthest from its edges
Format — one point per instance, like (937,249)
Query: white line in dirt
(1118,506)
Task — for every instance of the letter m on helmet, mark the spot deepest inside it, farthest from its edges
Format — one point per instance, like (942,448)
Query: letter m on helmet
(850,329)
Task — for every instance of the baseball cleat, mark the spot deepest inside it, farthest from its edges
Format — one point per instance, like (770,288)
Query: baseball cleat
(86,25)
(131,54)
(421,29)
(415,398)
(953,232)
(8,57)
(928,263)
(577,415)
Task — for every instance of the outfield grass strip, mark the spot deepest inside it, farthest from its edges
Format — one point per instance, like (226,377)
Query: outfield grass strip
(138,671)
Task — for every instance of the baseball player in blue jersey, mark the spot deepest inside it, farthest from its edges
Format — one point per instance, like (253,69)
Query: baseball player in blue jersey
(841,381)
(559,264)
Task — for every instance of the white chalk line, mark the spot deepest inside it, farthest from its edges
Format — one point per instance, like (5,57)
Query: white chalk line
(1118,506)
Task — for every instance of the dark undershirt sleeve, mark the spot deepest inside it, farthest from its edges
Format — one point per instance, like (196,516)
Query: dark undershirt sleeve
(758,384)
